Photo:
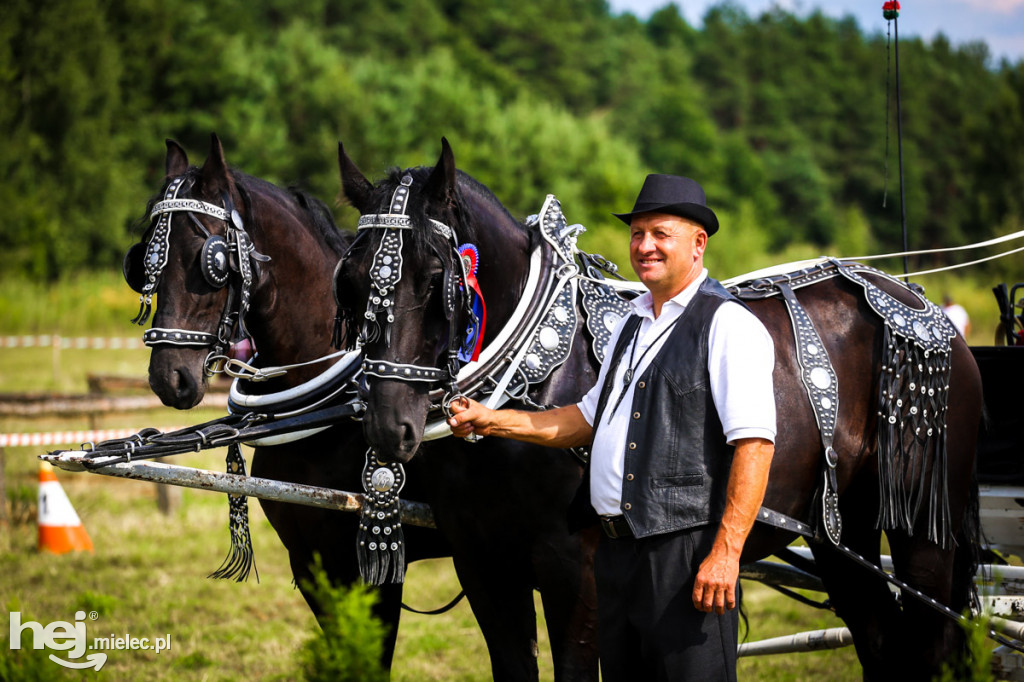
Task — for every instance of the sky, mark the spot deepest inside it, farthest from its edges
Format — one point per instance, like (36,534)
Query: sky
(998,23)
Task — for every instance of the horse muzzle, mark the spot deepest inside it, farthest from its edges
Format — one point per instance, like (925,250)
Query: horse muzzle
(394,420)
(176,376)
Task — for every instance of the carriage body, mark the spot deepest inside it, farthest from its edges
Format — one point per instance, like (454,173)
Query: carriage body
(1001,448)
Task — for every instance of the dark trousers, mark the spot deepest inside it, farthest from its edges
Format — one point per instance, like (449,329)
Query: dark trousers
(648,628)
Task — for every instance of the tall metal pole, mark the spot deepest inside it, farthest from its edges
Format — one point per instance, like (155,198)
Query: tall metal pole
(899,145)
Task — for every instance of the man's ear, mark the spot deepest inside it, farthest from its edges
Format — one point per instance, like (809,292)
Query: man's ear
(700,241)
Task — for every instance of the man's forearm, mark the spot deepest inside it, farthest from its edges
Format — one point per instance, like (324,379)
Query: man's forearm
(562,427)
(748,480)
(714,587)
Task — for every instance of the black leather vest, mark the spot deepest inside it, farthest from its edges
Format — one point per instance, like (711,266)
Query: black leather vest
(677,461)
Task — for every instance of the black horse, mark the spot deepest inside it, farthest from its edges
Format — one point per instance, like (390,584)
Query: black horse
(504,503)
(501,504)
(290,316)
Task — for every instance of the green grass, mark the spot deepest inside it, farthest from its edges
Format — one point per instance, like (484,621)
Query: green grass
(146,578)
(85,304)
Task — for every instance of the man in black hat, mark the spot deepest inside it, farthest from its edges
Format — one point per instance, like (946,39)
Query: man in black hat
(682,426)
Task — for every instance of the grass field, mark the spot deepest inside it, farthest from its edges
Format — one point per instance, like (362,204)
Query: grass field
(146,576)
(146,579)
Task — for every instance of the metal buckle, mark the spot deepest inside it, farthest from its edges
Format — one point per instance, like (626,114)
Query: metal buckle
(611,526)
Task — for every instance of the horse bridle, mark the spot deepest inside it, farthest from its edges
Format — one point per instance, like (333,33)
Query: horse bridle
(218,259)
(386,272)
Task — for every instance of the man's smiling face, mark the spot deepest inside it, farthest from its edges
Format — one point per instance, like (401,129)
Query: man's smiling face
(666,252)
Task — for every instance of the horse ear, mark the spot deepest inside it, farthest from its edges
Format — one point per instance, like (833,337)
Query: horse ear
(177,159)
(354,185)
(214,174)
(441,183)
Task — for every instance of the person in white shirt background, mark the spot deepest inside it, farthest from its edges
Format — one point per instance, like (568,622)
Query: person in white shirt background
(957,315)
(682,427)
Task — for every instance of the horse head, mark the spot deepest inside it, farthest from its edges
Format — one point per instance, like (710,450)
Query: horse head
(201,258)
(423,231)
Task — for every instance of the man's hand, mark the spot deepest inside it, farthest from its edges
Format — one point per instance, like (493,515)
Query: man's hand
(470,417)
(715,587)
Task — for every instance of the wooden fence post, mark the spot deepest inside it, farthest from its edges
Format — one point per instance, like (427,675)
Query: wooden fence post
(5,524)
(168,497)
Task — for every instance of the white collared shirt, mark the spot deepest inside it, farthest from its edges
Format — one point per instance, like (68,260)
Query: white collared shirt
(741,358)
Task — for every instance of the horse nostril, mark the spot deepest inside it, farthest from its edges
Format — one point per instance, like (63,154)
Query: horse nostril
(185,386)
(180,379)
(408,434)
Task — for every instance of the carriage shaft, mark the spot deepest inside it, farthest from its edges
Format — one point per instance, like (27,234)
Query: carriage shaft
(413,513)
(818,640)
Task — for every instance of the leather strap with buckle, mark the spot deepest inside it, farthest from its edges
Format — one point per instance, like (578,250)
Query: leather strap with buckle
(616,527)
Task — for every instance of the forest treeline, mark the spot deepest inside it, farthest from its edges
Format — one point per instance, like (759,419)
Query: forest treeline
(783,118)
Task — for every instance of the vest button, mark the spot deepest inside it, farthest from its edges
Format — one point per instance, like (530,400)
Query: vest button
(627,506)
(641,384)
(629,477)
(632,446)
(636,415)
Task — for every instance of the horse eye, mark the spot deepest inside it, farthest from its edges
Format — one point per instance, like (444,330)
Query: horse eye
(429,283)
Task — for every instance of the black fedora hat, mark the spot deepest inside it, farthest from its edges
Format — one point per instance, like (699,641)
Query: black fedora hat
(675,195)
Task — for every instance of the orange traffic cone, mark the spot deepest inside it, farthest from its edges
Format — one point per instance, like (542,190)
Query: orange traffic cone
(60,529)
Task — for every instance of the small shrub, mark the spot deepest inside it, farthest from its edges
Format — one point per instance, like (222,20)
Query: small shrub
(348,645)
(28,664)
(975,665)
(25,664)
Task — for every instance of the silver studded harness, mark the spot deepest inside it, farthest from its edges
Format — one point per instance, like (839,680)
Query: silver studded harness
(145,262)
(538,336)
(912,399)
(386,273)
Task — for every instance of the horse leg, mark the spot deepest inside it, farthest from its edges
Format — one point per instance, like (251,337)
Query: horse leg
(568,593)
(864,602)
(929,638)
(502,602)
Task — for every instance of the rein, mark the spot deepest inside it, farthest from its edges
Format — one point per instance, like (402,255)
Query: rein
(538,337)
(811,262)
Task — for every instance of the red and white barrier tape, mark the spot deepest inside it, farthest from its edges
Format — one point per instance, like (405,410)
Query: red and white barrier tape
(77,342)
(67,437)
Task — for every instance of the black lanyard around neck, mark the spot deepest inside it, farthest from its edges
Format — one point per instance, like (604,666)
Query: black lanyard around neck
(631,367)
